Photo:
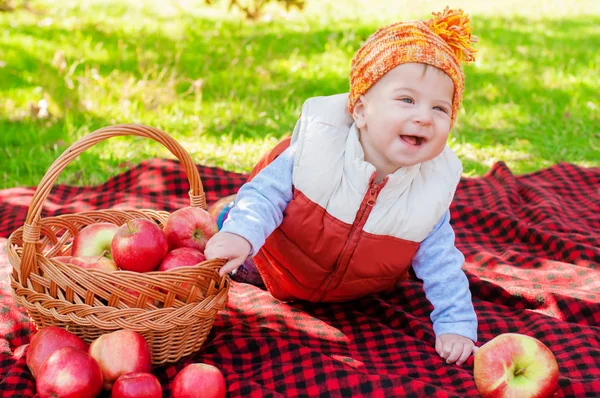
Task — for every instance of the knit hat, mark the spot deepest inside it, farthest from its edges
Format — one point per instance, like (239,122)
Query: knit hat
(443,41)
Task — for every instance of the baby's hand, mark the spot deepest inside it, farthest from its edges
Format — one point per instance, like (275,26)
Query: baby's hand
(228,246)
(454,348)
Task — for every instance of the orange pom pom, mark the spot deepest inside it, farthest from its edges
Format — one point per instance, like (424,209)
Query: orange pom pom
(454,27)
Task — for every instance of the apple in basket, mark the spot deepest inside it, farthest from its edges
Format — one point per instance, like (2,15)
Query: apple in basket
(89,262)
(181,257)
(515,365)
(94,240)
(137,385)
(190,227)
(47,341)
(199,380)
(139,245)
(69,373)
(120,352)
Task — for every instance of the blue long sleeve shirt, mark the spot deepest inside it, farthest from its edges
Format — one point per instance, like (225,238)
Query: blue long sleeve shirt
(258,211)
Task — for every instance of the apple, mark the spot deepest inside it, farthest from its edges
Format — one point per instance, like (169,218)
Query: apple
(89,262)
(139,245)
(137,385)
(94,240)
(190,227)
(48,340)
(515,365)
(199,380)
(69,373)
(120,352)
(181,257)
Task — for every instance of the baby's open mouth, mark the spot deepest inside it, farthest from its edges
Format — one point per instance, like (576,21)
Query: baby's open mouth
(412,139)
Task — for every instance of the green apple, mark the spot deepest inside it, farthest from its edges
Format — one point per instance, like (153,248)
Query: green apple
(94,240)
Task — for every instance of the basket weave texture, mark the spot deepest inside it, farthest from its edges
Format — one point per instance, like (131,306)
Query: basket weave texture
(173,310)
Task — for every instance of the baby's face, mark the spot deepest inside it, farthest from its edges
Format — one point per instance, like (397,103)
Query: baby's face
(404,118)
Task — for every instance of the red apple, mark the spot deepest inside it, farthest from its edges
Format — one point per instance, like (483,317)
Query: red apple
(69,373)
(139,245)
(47,341)
(190,227)
(181,257)
(199,380)
(120,352)
(137,385)
(89,262)
(94,240)
(515,365)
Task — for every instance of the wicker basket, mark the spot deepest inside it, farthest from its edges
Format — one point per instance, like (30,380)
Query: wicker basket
(173,310)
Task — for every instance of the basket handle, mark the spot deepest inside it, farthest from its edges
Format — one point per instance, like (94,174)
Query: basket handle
(32,226)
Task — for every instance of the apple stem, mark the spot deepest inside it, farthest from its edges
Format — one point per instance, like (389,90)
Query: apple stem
(129,227)
(520,371)
(102,255)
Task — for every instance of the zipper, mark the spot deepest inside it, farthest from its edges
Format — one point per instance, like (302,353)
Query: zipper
(347,252)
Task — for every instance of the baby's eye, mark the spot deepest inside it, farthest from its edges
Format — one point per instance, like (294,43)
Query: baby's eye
(408,100)
(440,108)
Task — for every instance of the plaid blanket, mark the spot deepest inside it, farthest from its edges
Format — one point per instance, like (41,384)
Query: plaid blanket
(532,247)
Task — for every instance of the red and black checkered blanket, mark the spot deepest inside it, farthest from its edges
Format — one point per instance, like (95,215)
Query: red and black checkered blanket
(532,247)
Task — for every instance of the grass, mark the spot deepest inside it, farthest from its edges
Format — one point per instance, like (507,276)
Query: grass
(228,89)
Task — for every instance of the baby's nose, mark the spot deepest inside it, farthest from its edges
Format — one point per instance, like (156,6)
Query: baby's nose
(423,117)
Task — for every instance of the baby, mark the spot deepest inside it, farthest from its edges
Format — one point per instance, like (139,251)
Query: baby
(361,190)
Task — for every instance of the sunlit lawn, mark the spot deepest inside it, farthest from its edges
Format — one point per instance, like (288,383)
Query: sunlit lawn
(228,89)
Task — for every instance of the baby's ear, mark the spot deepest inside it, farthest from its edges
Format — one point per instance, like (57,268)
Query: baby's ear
(358,114)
